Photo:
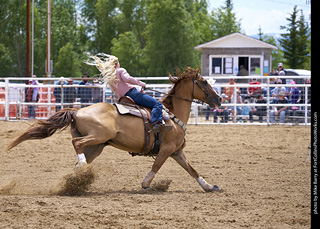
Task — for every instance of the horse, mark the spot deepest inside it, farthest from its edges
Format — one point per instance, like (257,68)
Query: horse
(100,125)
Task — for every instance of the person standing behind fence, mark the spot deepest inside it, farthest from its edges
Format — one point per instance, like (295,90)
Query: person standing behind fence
(69,94)
(85,92)
(57,93)
(97,92)
(32,95)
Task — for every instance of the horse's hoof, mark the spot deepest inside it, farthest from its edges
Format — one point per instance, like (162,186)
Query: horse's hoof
(216,188)
(80,165)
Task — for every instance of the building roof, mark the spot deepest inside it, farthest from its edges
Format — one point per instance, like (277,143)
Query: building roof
(235,40)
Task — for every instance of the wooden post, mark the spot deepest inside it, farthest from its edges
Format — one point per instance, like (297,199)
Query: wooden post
(28,41)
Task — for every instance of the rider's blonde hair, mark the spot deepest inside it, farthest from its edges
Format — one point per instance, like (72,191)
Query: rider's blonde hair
(106,64)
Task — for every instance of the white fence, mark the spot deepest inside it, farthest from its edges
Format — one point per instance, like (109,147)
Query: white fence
(54,95)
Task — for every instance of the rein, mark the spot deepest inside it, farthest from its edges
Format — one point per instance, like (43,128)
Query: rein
(189,100)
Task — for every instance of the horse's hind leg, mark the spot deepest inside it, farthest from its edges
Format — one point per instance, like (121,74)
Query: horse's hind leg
(87,148)
(90,152)
(181,159)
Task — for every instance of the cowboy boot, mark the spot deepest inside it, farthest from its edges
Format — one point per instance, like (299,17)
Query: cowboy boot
(160,126)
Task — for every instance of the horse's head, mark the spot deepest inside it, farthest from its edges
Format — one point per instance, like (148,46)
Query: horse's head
(203,91)
(191,85)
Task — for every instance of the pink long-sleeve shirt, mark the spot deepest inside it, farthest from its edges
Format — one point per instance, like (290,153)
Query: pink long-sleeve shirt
(125,83)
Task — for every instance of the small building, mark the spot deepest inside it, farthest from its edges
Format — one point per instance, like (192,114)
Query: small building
(224,56)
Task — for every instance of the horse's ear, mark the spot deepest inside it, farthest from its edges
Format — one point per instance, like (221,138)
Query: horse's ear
(178,72)
(198,70)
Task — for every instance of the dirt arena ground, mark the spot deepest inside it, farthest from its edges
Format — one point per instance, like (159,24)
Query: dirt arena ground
(262,170)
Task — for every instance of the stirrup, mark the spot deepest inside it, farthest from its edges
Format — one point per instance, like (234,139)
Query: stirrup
(160,127)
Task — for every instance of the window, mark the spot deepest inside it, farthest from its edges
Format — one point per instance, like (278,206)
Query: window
(222,65)
(216,65)
(255,68)
(228,65)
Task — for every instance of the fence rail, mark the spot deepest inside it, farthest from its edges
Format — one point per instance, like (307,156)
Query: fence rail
(56,93)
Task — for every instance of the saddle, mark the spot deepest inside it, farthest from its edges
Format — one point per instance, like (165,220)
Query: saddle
(126,106)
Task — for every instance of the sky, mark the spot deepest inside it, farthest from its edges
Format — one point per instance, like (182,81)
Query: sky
(269,14)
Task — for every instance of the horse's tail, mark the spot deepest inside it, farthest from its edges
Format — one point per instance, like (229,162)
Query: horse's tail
(45,128)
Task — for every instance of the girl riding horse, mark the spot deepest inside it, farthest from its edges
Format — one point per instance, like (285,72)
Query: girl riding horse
(122,84)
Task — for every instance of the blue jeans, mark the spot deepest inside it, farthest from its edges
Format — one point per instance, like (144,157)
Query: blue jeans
(282,116)
(31,112)
(147,101)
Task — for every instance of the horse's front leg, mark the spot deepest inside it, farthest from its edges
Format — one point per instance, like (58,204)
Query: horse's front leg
(181,159)
(163,155)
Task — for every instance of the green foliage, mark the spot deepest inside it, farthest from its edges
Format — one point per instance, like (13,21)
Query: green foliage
(169,37)
(295,41)
(150,37)
(224,21)
(5,61)
(277,55)
(68,64)
(127,49)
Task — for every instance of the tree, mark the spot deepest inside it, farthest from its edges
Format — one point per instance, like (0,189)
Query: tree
(260,34)
(169,36)
(13,34)
(68,64)
(127,49)
(277,55)
(106,25)
(224,21)
(5,61)
(294,42)
(304,47)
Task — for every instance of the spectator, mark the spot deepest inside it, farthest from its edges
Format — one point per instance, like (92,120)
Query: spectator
(32,95)
(211,82)
(97,92)
(69,94)
(275,92)
(260,111)
(279,110)
(230,90)
(222,110)
(58,94)
(279,70)
(243,72)
(84,92)
(273,72)
(271,81)
(237,100)
(245,111)
(293,93)
(303,92)
(252,91)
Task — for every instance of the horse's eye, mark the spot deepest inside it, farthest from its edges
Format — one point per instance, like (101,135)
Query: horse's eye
(205,82)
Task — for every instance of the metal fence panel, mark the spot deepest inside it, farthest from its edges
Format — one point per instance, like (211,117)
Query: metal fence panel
(17,101)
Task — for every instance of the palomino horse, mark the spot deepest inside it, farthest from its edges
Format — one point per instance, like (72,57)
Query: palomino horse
(100,124)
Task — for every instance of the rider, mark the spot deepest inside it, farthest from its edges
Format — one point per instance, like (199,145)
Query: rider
(122,84)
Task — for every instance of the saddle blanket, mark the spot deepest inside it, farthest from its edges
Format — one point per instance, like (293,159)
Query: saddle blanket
(132,110)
